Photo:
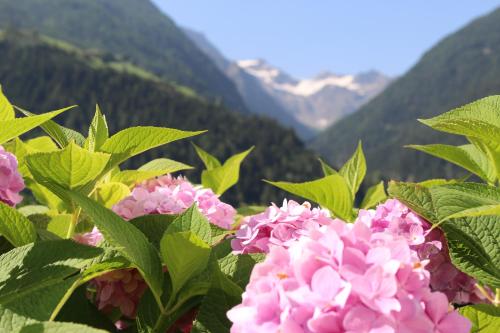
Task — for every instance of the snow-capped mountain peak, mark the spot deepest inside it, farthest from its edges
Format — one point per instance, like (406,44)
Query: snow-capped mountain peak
(317,101)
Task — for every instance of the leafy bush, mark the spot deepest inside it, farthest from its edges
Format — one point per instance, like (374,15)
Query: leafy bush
(107,249)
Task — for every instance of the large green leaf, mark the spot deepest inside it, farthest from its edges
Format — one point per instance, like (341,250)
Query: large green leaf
(108,194)
(210,161)
(186,255)
(127,239)
(474,244)
(153,226)
(415,196)
(222,296)
(491,150)
(354,170)
(221,178)
(71,167)
(479,119)
(239,267)
(194,221)
(467,156)
(485,318)
(135,140)
(465,199)
(331,192)
(14,127)
(374,195)
(98,131)
(62,135)
(35,278)
(6,109)
(15,227)
(154,168)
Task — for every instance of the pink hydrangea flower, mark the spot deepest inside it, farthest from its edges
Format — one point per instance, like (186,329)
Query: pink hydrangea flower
(170,195)
(11,181)
(277,226)
(122,289)
(396,218)
(343,278)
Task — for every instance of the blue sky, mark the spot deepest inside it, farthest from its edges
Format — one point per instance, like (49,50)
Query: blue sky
(304,37)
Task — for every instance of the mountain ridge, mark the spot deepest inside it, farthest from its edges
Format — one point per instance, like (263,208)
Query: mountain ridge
(134,29)
(461,68)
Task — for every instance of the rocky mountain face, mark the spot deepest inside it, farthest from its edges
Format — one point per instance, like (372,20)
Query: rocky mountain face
(307,105)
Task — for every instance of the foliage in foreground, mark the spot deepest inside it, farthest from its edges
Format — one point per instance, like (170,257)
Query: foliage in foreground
(108,249)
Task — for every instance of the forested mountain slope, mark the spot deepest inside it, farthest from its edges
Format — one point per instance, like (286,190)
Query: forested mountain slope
(40,76)
(135,29)
(460,69)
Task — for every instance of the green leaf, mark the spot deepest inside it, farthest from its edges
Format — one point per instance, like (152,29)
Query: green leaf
(223,295)
(474,247)
(15,227)
(153,226)
(465,199)
(108,194)
(6,109)
(186,255)
(14,127)
(327,170)
(135,140)
(210,161)
(57,327)
(354,170)
(331,192)
(221,178)
(194,221)
(98,131)
(62,135)
(35,278)
(479,119)
(239,267)
(415,196)
(71,167)
(374,195)
(485,318)
(467,156)
(59,225)
(128,240)
(492,151)
(154,168)
(42,143)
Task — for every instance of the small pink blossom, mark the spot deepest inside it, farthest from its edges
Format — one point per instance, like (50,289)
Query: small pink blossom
(11,181)
(396,218)
(170,195)
(277,226)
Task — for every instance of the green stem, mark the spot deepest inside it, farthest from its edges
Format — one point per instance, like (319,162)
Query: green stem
(74,221)
(64,299)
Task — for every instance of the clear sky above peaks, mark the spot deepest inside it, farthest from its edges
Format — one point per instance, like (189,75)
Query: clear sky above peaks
(304,37)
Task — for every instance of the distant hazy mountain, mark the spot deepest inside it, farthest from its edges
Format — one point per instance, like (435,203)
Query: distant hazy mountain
(320,101)
(461,68)
(306,105)
(134,29)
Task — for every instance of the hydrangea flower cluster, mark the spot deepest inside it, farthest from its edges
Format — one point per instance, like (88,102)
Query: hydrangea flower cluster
(170,195)
(344,278)
(123,289)
(394,217)
(11,181)
(277,226)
